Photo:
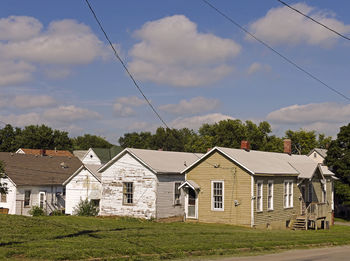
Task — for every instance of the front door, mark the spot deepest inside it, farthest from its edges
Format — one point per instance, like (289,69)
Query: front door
(191,203)
(42,199)
(303,199)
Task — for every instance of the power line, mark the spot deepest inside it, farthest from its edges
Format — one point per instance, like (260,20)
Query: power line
(275,51)
(314,20)
(124,65)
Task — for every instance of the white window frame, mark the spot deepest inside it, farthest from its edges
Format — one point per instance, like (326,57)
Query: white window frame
(126,193)
(288,193)
(44,198)
(212,195)
(270,197)
(259,198)
(177,202)
(29,200)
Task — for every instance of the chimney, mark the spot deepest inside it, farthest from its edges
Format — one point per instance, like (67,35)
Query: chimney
(42,152)
(208,149)
(287,146)
(245,145)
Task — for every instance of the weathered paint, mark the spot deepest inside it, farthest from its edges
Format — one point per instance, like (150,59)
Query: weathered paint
(10,196)
(128,169)
(166,205)
(82,186)
(91,158)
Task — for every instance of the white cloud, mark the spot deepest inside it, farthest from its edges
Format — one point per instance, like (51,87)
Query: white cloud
(17,28)
(22,119)
(172,51)
(131,101)
(196,122)
(322,117)
(192,106)
(27,101)
(12,72)
(256,67)
(69,114)
(283,26)
(124,106)
(122,110)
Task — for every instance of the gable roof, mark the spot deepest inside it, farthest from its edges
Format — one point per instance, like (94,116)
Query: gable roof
(322,152)
(106,155)
(261,162)
(90,167)
(159,161)
(79,153)
(26,169)
(62,153)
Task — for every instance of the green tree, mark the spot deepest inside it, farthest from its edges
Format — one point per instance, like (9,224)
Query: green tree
(302,141)
(90,141)
(9,141)
(338,159)
(136,140)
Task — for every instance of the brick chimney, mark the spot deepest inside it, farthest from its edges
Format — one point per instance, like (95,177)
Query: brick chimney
(245,145)
(287,146)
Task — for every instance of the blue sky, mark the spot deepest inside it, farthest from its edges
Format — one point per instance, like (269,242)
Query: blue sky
(56,67)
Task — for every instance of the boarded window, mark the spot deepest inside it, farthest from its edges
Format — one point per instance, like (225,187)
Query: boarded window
(177,193)
(218,195)
(270,195)
(27,198)
(259,196)
(128,193)
(288,194)
(3,198)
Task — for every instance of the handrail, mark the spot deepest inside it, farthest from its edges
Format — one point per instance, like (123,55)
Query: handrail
(316,210)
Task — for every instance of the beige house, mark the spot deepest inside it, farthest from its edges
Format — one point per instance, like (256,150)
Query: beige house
(258,189)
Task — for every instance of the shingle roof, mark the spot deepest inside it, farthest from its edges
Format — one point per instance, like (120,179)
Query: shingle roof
(26,169)
(64,153)
(322,152)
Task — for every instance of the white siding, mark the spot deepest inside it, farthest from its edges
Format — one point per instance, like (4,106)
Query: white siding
(10,197)
(91,158)
(83,185)
(127,169)
(316,157)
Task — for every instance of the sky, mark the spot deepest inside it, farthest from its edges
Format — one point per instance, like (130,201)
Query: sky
(56,67)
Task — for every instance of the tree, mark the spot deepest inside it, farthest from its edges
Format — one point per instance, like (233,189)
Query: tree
(3,187)
(9,141)
(136,140)
(338,159)
(90,141)
(302,141)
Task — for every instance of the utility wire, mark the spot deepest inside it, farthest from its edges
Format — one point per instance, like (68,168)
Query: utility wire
(312,19)
(124,65)
(275,51)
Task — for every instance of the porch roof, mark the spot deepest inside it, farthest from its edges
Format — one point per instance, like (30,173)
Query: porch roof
(190,183)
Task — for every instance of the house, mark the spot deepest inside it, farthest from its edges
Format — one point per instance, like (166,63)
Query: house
(318,155)
(258,189)
(44,152)
(85,183)
(100,156)
(144,183)
(34,180)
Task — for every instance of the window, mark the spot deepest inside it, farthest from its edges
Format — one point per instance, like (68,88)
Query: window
(128,193)
(3,198)
(288,194)
(259,196)
(27,198)
(217,189)
(270,195)
(177,193)
(310,192)
(95,202)
(315,155)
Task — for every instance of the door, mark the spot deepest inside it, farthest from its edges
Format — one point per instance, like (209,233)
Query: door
(303,197)
(191,203)
(42,199)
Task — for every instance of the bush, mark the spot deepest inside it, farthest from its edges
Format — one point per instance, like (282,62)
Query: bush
(36,211)
(86,208)
(57,212)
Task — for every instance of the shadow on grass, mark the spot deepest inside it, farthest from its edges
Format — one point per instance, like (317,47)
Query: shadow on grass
(11,243)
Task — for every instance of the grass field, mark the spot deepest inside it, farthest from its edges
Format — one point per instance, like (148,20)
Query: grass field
(84,238)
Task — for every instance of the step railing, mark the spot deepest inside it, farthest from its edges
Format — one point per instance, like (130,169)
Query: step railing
(316,210)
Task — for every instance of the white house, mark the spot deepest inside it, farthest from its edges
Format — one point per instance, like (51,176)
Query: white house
(144,183)
(85,183)
(318,155)
(34,180)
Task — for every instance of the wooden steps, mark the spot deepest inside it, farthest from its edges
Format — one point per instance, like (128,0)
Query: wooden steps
(299,224)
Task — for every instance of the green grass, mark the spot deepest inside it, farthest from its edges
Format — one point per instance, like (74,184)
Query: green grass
(84,238)
(342,219)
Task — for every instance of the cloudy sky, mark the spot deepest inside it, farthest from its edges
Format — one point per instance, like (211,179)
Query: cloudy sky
(56,67)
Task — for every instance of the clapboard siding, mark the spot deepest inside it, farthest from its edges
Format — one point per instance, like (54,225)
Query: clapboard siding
(10,196)
(83,186)
(237,183)
(166,206)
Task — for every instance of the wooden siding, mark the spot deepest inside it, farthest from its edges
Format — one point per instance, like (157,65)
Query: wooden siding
(10,196)
(277,217)
(166,206)
(237,184)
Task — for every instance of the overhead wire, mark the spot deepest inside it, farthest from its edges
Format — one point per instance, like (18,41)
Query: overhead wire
(274,50)
(314,20)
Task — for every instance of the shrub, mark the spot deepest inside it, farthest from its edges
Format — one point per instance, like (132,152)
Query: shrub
(36,211)
(86,208)
(57,212)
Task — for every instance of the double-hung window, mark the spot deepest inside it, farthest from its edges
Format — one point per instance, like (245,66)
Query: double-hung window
(288,194)
(259,196)
(177,193)
(128,193)
(27,198)
(270,195)
(217,192)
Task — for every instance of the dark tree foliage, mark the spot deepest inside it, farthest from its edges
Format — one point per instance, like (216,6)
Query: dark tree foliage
(338,159)
(90,141)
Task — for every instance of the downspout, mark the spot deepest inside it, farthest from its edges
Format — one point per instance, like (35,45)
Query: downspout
(252,201)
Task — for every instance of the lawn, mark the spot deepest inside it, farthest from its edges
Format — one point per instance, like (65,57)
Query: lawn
(86,238)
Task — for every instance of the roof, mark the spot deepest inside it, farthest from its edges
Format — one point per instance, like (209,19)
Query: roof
(106,155)
(92,168)
(79,153)
(190,183)
(64,153)
(325,171)
(160,161)
(322,152)
(261,162)
(26,169)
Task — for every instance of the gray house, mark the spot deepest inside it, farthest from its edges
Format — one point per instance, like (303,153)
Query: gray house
(144,183)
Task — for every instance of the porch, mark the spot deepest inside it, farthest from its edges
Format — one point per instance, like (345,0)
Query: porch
(313,214)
